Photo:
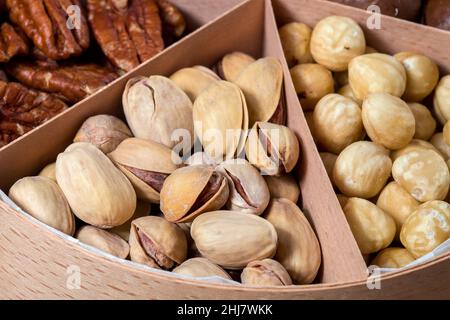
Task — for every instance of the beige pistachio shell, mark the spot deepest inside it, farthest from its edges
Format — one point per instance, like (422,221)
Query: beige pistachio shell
(207,71)
(201,267)
(42,198)
(298,248)
(193,190)
(393,258)
(49,171)
(279,141)
(143,209)
(233,239)
(221,120)
(103,131)
(98,193)
(232,64)
(283,186)
(155,107)
(157,243)
(193,81)
(200,158)
(265,272)
(104,240)
(261,82)
(248,190)
(146,164)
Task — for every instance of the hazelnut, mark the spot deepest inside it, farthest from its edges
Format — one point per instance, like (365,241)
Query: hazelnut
(335,41)
(425,123)
(347,91)
(437,140)
(414,145)
(388,120)
(446,133)
(374,73)
(328,159)
(338,122)
(312,82)
(423,173)
(295,38)
(372,228)
(341,78)
(362,169)
(393,258)
(441,99)
(422,75)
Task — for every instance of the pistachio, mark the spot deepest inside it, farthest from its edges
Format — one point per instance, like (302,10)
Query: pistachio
(143,209)
(265,272)
(295,38)
(262,85)
(393,258)
(233,239)
(426,228)
(103,131)
(146,164)
(298,248)
(155,107)
(49,171)
(272,148)
(193,81)
(200,158)
(248,190)
(232,65)
(221,120)
(42,198)
(157,243)
(193,190)
(283,186)
(201,267)
(104,240)
(98,193)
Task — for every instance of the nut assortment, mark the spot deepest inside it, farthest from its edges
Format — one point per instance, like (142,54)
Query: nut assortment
(141,190)
(384,137)
(51,58)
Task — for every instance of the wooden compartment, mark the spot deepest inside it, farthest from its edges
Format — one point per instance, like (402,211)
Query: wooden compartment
(35,261)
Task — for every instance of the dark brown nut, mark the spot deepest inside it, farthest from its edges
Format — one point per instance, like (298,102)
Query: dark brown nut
(71,82)
(174,24)
(129,33)
(45,22)
(437,14)
(12,42)
(22,109)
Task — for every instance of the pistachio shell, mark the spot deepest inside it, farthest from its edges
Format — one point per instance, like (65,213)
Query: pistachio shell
(261,82)
(143,209)
(42,198)
(233,239)
(279,141)
(193,81)
(146,164)
(283,186)
(98,193)
(298,248)
(266,272)
(248,190)
(103,131)
(155,107)
(200,158)
(157,242)
(104,240)
(221,119)
(232,65)
(49,171)
(192,190)
(201,267)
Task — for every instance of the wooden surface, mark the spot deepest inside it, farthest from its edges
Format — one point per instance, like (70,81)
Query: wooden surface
(34,261)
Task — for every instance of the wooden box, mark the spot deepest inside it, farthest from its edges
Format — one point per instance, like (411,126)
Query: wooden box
(36,261)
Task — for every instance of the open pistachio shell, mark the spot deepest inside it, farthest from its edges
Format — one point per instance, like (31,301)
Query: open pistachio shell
(155,107)
(200,158)
(201,267)
(193,190)
(266,272)
(221,119)
(146,164)
(194,80)
(272,148)
(248,190)
(232,65)
(157,243)
(261,82)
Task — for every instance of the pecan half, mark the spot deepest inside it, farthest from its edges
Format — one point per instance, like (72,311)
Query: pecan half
(22,109)
(174,24)
(12,42)
(72,82)
(129,32)
(57,27)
